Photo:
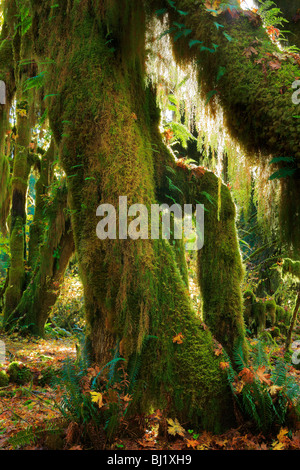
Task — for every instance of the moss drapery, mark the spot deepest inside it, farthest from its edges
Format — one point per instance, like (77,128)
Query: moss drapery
(255,96)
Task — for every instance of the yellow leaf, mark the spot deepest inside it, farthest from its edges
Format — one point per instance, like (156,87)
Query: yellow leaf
(178,339)
(175,427)
(278,446)
(274,389)
(97,398)
(282,434)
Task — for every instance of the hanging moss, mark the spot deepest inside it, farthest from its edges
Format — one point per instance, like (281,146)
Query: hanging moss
(255,98)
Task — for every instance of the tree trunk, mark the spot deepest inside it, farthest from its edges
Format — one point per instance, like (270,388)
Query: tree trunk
(37,228)
(135,297)
(17,240)
(7,76)
(55,251)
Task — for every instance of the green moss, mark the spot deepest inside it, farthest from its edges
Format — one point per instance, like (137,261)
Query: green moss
(4,379)
(19,373)
(220,269)
(186,376)
(249,300)
(291,268)
(270,312)
(259,316)
(281,314)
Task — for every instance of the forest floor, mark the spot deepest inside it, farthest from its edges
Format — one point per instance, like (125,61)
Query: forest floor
(35,404)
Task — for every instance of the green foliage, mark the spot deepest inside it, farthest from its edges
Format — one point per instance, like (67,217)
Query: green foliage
(271,15)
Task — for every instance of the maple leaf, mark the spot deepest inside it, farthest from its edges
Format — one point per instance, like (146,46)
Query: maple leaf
(126,398)
(178,339)
(218,351)
(175,427)
(158,415)
(274,389)
(192,443)
(238,385)
(278,446)
(97,398)
(282,435)
(247,375)
(224,365)
(249,51)
(263,377)
(274,65)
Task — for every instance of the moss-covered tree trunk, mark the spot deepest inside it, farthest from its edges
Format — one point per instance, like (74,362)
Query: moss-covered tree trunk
(8,78)
(20,176)
(42,186)
(136,301)
(54,252)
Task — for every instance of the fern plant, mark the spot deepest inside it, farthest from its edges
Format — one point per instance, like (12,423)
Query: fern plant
(270,13)
(32,434)
(262,396)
